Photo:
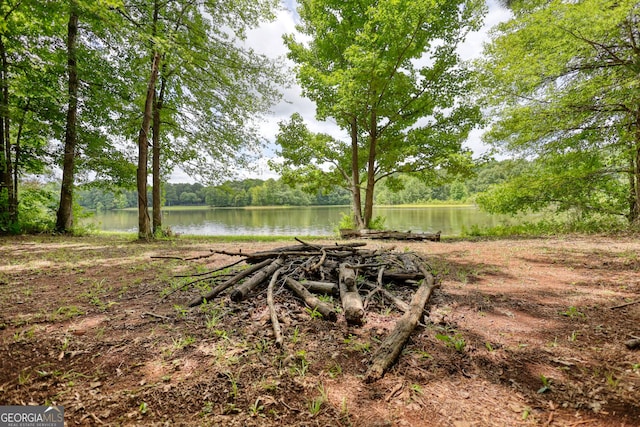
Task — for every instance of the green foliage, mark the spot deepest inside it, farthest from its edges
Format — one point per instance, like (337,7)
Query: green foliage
(455,341)
(37,209)
(560,82)
(376,70)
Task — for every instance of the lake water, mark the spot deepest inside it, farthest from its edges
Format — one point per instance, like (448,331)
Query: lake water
(298,221)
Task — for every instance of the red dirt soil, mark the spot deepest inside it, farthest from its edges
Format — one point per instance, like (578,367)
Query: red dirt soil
(521,332)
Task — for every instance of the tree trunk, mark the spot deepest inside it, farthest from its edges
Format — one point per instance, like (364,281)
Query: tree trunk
(355,173)
(157,184)
(5,140)
(371,172)
(634,206)
(64,220)
(144,222)
(25,111)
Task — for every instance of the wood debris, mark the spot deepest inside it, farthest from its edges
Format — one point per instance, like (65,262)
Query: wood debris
(345,270)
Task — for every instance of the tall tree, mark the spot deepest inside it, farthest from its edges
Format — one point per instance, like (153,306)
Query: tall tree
(83,120)
(29,111)
(64,221)
(562,83)
(210,89)
(387,71)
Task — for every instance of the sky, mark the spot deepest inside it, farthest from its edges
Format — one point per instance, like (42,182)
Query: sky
(267,39)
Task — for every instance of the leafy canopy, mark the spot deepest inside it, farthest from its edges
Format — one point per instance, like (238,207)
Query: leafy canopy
(561,83)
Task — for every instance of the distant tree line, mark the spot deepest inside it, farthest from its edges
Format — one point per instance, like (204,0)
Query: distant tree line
(271,192)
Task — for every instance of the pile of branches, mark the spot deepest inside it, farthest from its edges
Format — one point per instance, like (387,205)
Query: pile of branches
(342,270)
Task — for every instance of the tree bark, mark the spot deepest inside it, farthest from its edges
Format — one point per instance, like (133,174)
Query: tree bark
(225,285)
(155,166)
(5,140)
(144,222)
(25,111)
(355,174)
(351,301)
(243,290)
(314,303)
(392,346)
(371,171)
(275,324)
(64,218)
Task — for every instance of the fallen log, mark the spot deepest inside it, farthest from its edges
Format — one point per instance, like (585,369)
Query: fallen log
(392,346)
(223,286)
(388,234)
(351,302)
(248,285)
(314,303)
(321,287)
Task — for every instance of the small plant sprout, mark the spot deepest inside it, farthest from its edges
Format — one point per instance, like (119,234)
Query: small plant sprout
(144,408)
(24,377)
(454,341)
(315,314)
(612,381)
(256,409)
(546,384)
(315,405)
(572,312)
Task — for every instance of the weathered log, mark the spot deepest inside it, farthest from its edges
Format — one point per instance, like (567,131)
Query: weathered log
(392,346)
(388,234)
(248,285)
(321,287)
(225,285)
(314,303)
(633,344)
(351,302)
(275,324)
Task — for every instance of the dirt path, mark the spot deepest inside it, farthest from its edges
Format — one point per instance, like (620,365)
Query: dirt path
(520,333)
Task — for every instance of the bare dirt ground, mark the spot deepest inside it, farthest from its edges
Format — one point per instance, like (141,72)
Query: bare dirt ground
(521,332)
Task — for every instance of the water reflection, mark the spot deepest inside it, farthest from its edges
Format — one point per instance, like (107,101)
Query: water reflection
(289,221)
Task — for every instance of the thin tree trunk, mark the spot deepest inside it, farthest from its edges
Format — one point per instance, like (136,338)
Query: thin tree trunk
(634,211)
(25,111)
(7,176)
(355,173)
(157,184)
(144,222)
(371,172)
(64,219)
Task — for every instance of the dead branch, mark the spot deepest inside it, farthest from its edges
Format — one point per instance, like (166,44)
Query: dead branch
(243,290)
(314,303)
(403,306)
(206,273)
(321,287)
(223,286)
(392,346)
(275,324)
(625,305)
